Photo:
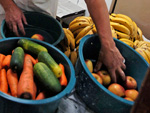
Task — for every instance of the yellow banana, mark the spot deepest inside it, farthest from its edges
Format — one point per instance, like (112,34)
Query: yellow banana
(78,25)
(76,32)
(94,29)
(90,20)
(122,35)
(67,52)
(113,32)
(145,47)
(122,21)
(79,19)
(142,43)
(83,32)
(122,16)
(120,27)
(147,52)
(127,41)
(69,38)
(135,44)
(66,37)
(142,53)
(139,34)
(134,34)
(72,44)
(73,57)
(72,40)
(89,33)
(70,33)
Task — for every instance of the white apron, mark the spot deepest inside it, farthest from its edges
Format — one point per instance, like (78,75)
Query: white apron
(138,10)
(45,6)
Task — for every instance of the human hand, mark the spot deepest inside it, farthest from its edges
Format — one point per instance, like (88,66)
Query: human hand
(113,61)
(15,18)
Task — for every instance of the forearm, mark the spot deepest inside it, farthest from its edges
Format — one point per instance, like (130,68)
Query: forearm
(7,4)
(99,13)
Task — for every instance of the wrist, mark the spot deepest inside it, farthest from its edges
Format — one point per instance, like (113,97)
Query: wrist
(7,5)
(107,42)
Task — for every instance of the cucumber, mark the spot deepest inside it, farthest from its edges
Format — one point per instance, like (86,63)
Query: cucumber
(46,77)
(46,58)
(31,46)
(17,59)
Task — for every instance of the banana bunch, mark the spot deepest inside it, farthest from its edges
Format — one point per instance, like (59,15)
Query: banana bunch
(114,34)
(125,27)
(67,45)
(145,53)
(143,48)
(79,23)
(82,26)
(127,41)
(85,31)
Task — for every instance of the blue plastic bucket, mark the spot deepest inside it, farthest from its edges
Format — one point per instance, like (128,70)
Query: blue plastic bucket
(10,104)
(38,23)
(95,95)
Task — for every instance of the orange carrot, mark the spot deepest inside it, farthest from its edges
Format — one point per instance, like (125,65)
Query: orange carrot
(12,51)
(36,60)
(32,59)
(12,82)
(63,79)
(41,95)
(3,81)
(6,62)
(2,56)
(26,86)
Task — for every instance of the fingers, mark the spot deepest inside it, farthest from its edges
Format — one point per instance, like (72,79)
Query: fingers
(24,20)
(21,27)
(113,76)
(15,30)
(14,26)
(121,74)
(97,66)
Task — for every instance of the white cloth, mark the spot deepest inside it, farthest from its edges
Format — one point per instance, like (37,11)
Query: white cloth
(45,6)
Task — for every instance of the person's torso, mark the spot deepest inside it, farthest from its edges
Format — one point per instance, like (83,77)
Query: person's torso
(45,6)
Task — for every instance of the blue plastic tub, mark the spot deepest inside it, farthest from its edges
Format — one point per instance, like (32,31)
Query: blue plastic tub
(10,104)
(95,95)
(38,23)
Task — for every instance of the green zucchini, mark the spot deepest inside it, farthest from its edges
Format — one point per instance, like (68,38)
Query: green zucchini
(46,77)
(31,46)
(17,59)
(46,58)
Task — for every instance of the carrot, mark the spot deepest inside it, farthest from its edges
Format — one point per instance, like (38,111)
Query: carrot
(6,62)
(3,81)
(12,82)
(26,86)
(12,51)
(63,79)
(36,60)
(32,59)
(41,95)
(2,56)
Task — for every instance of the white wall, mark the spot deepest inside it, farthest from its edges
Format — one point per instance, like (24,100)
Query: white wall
(82,4)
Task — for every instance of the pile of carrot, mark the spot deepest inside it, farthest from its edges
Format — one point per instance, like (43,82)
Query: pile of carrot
(23,85)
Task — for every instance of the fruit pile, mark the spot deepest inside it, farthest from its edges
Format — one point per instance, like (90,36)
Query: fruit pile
(122,26)
(127,89)
(30,72)
(77,29)
(127,31)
